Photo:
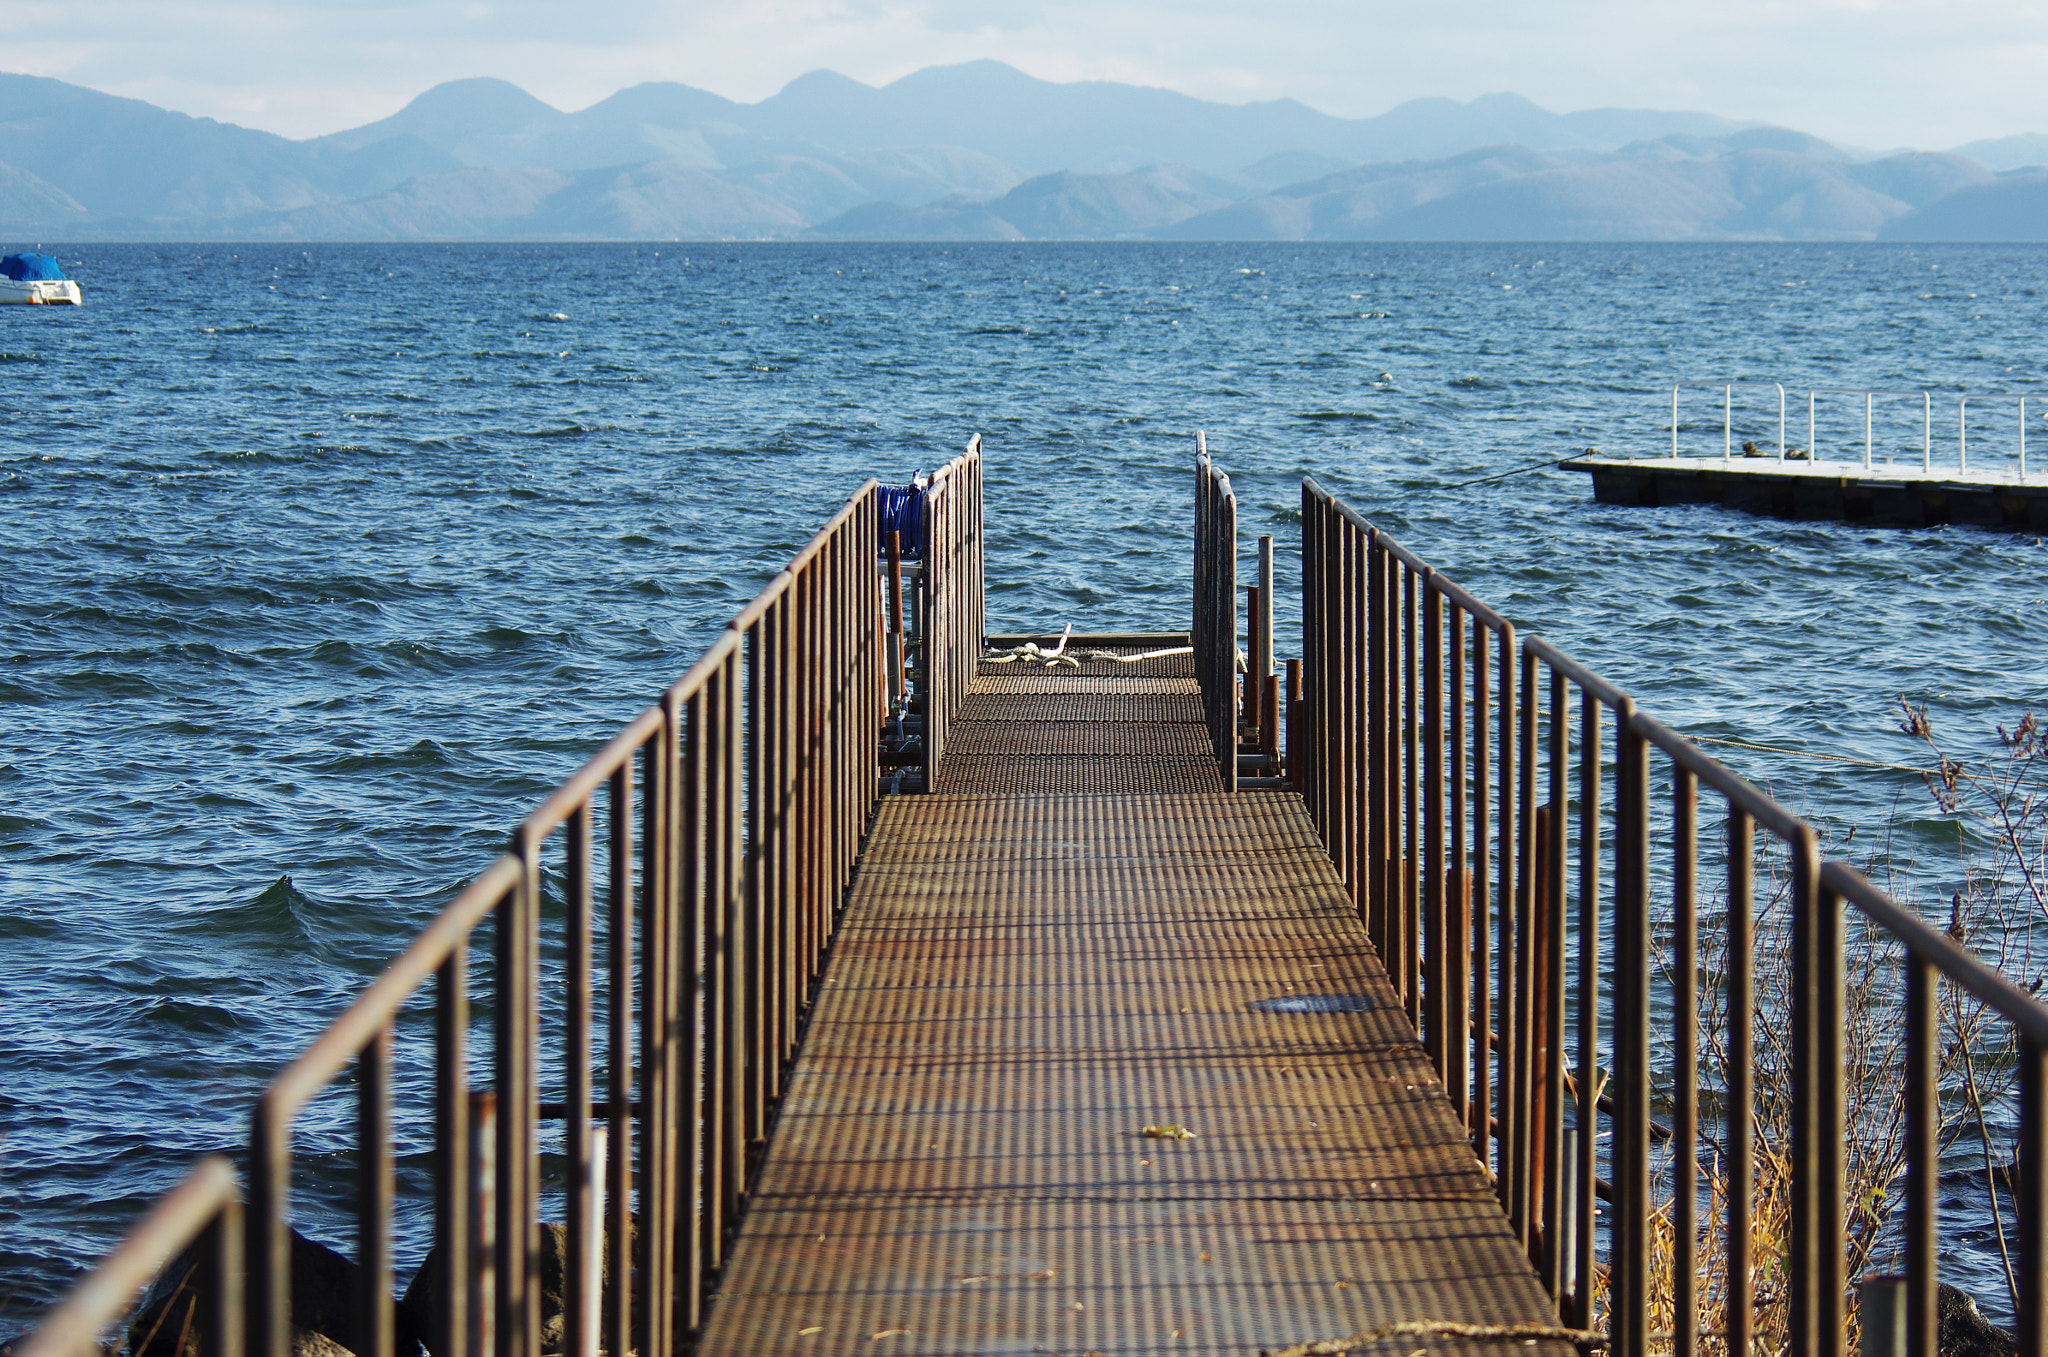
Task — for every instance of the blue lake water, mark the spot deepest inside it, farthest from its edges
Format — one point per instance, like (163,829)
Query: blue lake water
(328,563)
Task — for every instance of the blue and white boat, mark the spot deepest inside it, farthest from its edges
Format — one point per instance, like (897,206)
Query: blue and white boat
(32,279)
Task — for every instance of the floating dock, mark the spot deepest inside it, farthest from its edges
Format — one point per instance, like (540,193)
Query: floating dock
(1891,495)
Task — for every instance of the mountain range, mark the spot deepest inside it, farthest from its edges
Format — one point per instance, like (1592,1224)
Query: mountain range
(980,151)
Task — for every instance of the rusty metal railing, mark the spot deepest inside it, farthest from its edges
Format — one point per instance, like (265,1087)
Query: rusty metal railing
(205,1208)
(1436,756)
(1214,624)
(953,593)
(705,849)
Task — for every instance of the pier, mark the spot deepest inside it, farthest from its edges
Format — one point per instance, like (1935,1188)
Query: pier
(889,987)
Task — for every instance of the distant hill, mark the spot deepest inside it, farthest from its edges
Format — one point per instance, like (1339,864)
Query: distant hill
(975,151)
(2010,208)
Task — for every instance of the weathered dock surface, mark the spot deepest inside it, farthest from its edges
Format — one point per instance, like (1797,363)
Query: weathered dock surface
(1077,936)
(1892,494)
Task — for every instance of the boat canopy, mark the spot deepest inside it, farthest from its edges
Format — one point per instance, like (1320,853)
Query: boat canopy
(31,267)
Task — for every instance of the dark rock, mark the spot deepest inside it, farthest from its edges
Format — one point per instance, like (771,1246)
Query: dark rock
(324,1322)
(423,1303)
(1965,1332)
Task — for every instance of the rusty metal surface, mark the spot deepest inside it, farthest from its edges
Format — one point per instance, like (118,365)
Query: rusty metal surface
(1181,739)
(1057,705)
(1078,775)
(1023,982)
(1012,680)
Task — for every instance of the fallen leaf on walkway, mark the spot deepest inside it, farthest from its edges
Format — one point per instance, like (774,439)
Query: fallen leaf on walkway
(806,1333)
(1170,1131)
(888,1333)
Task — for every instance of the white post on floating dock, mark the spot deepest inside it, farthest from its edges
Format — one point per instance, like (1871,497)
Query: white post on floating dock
(1962,433)
(1867,398)
(1781,421)
(1811,454)
(1926,431)
(1674,422)
(2023,437)
(1727,422)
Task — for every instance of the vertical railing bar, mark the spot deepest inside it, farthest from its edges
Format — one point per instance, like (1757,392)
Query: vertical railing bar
(518,1262)
(2030,1198)
(619,1141)
(655,1188)
(1479,892)
(1631,1230)
(1493,1068)
(1408,974)
(1370,743)
(451,1149)
(752,941)
(687,720)
(1923,1154)
(1430,979)
(1585,1108)
(1685,1059)
(734,940)
(577,1303)
(376,1187)
(678,1103)
(1517,984)
(1457,932)
(1737,1317)
(1831,1283)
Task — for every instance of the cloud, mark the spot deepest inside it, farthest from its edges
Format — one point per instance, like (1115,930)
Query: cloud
(1872,72)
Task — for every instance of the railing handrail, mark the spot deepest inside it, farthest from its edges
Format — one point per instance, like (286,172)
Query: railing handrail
(799,665)
(1924,395)
(375,1007)
(1408,787)
(206,1192)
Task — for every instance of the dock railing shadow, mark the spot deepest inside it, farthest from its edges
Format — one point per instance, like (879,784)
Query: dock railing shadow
(705,852)
(1436,757)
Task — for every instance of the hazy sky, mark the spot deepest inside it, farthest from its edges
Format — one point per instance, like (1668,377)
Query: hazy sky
(1873,72)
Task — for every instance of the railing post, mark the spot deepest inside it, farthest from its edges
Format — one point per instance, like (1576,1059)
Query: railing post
(1430,973)
(1631,1229)
(1738,1316)
(1685,1057)
(1923,1154)
(375,1188)
(2031,1200)
(1816,1259)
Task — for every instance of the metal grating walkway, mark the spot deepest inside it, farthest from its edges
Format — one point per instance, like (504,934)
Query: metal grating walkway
(1039,961)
